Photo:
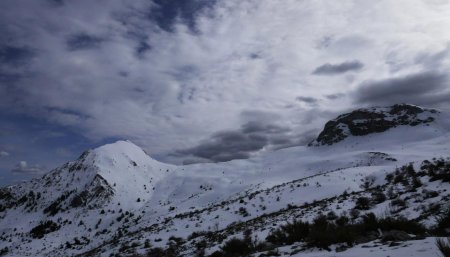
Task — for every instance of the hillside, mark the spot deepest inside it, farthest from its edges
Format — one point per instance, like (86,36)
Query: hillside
(117,200)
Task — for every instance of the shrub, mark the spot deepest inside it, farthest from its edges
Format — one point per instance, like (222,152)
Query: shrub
(399,178)
(430,193)
(362,203)
(147,243)
(342,221)
(369,222)
(368,182)
(354,213)
(216,254)
(156,252)
(236,247)
(409,226)
(4,251)
(443,246)
(378,197)
(443,223)
(322,232)
(289,233)
(389,177)
(44,228)
(243,211)
(331,215)
(397,205)
(319,236)
(437,170)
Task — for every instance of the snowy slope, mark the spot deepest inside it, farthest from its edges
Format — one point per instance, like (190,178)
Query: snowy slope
(117,195)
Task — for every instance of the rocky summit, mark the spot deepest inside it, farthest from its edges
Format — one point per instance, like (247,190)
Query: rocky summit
(362,122)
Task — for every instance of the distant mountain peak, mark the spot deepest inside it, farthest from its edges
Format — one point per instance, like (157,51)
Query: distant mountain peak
(119,153)
(366,121)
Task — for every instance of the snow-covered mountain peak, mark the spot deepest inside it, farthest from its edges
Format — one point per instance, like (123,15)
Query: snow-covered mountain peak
(372,120)
(125,168)
(120,155)
(115,174)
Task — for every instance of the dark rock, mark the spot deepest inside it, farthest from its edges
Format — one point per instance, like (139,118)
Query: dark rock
(96,193)
(373,120)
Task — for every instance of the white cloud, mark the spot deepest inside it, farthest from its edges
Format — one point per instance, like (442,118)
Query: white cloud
(4,154)
(245,56)
(23,167)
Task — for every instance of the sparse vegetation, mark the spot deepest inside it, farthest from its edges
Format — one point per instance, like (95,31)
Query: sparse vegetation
(44,228)
(322,232)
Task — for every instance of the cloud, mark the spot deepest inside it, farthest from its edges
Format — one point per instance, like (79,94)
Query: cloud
(225,146)
(166,74)
(23,167)
(14,55)
(251,138)
(83,41)
(433,60)
(4,154)
(335,96)
(307,99)
(423,88)
(335,69)
(166,13)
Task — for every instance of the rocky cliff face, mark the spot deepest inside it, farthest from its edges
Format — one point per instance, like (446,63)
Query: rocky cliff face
(373,120)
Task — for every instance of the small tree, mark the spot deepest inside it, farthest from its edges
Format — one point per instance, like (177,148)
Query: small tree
(362,203)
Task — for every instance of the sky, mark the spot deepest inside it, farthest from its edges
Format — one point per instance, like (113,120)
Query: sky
(205,80)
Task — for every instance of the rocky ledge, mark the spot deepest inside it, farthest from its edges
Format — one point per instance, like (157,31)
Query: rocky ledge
(373,120)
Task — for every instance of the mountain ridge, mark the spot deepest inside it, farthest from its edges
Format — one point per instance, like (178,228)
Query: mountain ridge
(116,195)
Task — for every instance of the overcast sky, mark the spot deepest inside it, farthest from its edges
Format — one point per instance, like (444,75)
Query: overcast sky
(205,80)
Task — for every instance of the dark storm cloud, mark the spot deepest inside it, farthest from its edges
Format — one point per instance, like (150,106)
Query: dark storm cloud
(307,99)
(427,88)
(14,62)
(256,127)
(240,144)
(229,145)
(335,96)
(335,69)
(82,41)
(14,55)
(166,12)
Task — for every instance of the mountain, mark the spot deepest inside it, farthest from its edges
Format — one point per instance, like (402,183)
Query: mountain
(374,120)
(116,200)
